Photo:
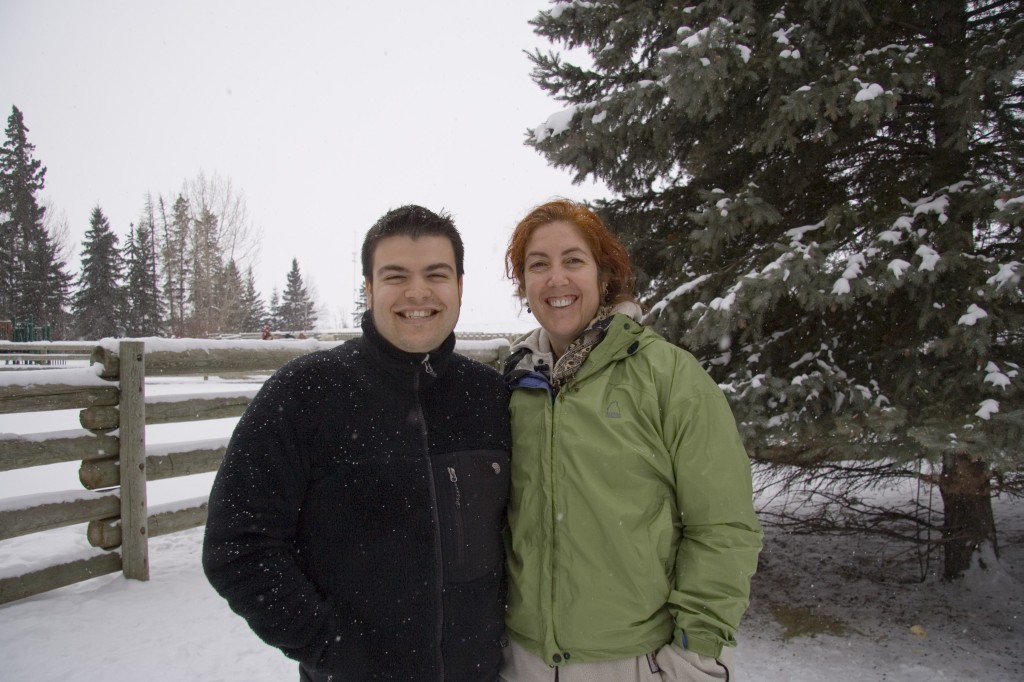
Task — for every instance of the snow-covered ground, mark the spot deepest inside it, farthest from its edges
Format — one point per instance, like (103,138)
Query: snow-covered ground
(823,608)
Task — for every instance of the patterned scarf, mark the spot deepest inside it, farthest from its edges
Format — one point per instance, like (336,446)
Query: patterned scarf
(576,354)
(532,351)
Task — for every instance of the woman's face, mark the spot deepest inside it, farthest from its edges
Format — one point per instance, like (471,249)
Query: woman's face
(562,282)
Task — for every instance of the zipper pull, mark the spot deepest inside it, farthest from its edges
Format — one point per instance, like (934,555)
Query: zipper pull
(427,367)
(455,480)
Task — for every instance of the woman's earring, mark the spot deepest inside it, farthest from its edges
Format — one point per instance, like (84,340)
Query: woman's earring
(529,309)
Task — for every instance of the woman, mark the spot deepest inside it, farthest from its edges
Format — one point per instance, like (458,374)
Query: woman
(633,534)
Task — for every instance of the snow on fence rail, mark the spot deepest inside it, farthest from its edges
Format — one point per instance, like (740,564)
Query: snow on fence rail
(116,464)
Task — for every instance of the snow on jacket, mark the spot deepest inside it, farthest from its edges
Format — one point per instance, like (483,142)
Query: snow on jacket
(631,517)
(356,520)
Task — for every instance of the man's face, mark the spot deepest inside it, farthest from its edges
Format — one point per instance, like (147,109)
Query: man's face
(415,293)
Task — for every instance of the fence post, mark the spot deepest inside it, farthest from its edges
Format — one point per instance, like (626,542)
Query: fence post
(132,433)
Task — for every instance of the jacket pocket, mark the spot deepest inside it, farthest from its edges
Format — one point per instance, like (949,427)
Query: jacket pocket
(680,665)
(473,490)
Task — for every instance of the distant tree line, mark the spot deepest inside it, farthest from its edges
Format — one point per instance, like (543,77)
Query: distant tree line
(177,273)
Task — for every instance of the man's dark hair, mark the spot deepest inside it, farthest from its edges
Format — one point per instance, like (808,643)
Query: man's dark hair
(414,222)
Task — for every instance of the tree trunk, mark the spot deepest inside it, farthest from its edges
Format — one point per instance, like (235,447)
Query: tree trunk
(965,485)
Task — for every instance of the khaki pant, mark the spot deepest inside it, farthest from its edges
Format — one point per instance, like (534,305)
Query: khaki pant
(669,664)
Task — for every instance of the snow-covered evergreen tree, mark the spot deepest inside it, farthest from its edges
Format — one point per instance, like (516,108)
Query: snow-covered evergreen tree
(144,308)
(231,305)
(252,303)
(176,229)
(824,202)
(99,301)
(34,282)
(274,313)
(360,305)
(297,310)
(205,273)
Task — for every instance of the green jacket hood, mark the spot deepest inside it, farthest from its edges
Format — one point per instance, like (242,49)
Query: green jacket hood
(623,336)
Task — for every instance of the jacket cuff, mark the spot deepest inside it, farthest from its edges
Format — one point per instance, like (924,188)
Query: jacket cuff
(699,645)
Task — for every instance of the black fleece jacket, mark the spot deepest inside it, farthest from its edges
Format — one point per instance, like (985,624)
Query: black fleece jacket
(356,520)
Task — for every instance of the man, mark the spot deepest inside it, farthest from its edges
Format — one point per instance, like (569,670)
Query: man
(356,520)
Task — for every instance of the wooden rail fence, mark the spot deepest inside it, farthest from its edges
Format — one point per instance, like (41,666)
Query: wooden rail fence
(15,356)
(115,461)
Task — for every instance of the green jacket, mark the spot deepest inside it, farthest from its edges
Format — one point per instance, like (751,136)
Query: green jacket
(631,516)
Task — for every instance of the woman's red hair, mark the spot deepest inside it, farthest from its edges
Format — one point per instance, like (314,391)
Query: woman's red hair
(612,259)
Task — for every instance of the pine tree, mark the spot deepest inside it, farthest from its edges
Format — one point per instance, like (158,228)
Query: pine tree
(252,303)
(824,203)
(360,305)
(99,302)
(153,318)
(274,315)
(56,291)
(144,308)
(297,308)
(33,278)
(174,251)
(205,273)
(231,295)
(132,268)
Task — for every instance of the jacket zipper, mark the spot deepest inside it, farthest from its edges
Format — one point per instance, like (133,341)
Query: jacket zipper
(427,367)
(435,517)
(460,531)
(555,626)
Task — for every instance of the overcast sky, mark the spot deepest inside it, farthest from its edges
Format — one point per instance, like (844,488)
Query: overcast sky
(324,115)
